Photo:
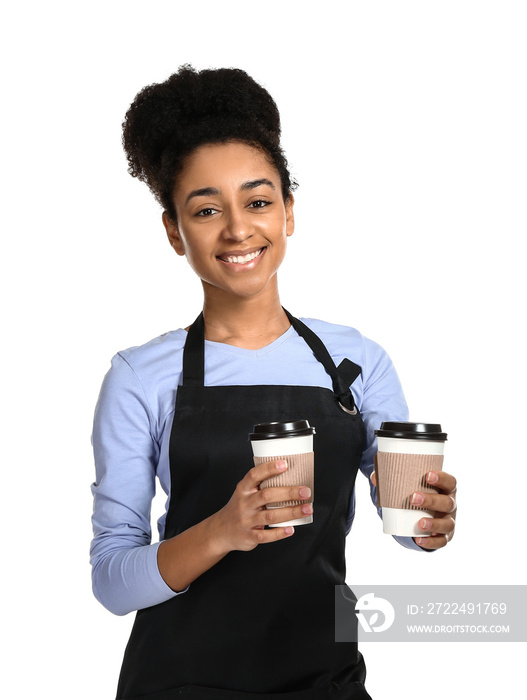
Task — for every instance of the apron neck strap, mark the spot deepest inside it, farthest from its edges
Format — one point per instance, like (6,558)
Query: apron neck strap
(342,376)
(194,354)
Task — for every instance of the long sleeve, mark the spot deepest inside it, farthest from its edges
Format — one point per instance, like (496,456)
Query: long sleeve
(382,400)
(125,574)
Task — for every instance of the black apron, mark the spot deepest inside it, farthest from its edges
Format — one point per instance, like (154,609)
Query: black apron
(259,624)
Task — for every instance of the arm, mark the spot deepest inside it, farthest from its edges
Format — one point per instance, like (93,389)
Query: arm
(129,573)
(239,525)
(382,400)
(125,574)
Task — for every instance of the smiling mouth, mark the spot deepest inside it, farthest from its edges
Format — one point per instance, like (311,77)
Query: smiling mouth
(241,259)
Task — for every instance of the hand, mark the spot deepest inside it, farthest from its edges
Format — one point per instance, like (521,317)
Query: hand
(441,527)
(240,524)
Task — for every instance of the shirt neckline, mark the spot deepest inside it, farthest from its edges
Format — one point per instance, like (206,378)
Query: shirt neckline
(248,352)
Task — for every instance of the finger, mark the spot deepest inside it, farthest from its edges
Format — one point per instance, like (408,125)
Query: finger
(442,480)
(444,525)
(442,503)
(280,494)
(279,515)
(262,536)
(433,542)
(263,471)
(373,479)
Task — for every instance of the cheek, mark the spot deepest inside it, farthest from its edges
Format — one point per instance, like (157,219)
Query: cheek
(275,227)
(194,257)
(192,244)
(200,257)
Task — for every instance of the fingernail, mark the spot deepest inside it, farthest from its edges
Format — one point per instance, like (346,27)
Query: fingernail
(424,524)
(421,540)
(417,499)
(432,477)
(281,465)
(307,509)
(305,492)
(289,530)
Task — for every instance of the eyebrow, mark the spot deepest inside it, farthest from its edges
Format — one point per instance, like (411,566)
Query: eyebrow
(253,184)
(212,191)
(203,192)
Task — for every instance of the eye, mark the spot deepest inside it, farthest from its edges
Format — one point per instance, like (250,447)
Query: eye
(259,204)
(208,211)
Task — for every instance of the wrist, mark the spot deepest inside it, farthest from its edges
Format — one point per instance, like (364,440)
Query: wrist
(216,537)
(181,559)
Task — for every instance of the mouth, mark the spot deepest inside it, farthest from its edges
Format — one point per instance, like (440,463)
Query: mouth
(239,257)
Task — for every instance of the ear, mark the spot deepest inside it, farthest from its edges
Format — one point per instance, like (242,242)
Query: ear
(290,218)
(173,234)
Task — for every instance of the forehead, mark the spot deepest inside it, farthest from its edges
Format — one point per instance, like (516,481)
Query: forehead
(223,166)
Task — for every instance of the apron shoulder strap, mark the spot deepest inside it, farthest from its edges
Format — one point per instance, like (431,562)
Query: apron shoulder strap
(194,354)
(342,376)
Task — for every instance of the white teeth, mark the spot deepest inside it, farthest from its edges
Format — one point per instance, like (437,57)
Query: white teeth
(241,259)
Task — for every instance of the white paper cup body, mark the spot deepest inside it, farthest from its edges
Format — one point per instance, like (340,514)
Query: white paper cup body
(409,446)
(281,447)
(400,521)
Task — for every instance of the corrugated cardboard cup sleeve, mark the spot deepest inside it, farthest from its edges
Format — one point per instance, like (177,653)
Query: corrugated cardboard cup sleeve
(399,475)
(300,472)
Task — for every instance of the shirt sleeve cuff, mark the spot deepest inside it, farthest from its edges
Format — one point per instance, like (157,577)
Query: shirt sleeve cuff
(409,543)
(159,582)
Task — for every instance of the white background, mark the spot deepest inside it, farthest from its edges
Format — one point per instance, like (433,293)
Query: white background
(404,122)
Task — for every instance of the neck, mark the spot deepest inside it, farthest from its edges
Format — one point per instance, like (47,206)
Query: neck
(247,322)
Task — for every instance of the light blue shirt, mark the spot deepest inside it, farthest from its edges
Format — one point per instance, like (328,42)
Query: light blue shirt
(131,434)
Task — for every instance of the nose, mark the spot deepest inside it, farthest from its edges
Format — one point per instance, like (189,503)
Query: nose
(237,225)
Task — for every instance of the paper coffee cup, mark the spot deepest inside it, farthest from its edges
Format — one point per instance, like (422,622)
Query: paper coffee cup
(406,453)
(292,441)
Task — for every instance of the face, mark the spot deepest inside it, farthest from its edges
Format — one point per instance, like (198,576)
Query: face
(232,221)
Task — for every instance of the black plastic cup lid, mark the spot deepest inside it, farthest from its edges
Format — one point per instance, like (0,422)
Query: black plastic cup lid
(281,429)
(412,431)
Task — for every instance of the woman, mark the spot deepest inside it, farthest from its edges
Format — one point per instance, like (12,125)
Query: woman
(226,607)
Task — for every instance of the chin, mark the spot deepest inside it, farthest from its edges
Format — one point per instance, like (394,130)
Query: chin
(249,290)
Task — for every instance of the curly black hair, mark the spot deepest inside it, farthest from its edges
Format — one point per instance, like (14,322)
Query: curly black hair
(167,121)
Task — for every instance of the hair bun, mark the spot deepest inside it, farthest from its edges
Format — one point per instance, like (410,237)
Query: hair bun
(166,121)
